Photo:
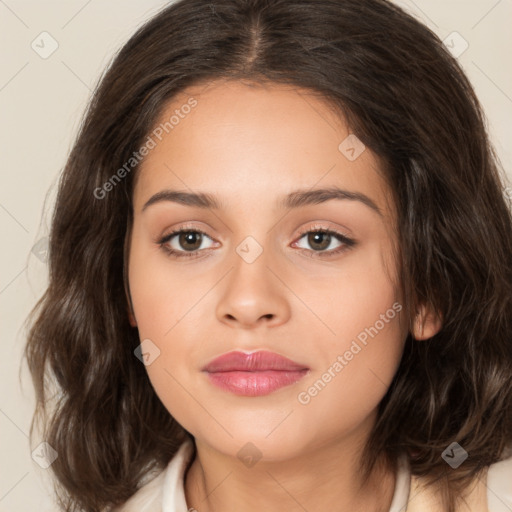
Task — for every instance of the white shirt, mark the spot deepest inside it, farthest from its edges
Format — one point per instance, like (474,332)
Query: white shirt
(166,492)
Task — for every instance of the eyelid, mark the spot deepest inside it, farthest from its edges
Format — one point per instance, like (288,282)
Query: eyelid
(323,227)
(347,241)
(176,231)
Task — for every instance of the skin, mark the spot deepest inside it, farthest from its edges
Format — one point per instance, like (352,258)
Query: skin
(249,145)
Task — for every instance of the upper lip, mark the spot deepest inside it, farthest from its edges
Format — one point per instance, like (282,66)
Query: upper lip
(253,362)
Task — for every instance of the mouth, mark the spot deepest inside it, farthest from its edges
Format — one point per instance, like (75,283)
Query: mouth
(255,374)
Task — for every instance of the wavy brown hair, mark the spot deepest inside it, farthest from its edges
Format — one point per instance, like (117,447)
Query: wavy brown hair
(409,101)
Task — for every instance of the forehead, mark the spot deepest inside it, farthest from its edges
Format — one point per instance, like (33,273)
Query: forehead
(239,139)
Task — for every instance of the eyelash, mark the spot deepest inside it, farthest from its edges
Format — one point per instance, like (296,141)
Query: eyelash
(347,242)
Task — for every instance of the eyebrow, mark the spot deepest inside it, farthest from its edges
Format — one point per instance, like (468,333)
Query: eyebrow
(295,199)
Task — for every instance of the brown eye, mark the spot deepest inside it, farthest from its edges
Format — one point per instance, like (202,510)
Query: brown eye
(319,240)
(190,240)
(184,242)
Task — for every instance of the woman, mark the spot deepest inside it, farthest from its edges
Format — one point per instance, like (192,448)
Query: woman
(337,336)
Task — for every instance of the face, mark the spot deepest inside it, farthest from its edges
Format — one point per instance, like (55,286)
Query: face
(270,265)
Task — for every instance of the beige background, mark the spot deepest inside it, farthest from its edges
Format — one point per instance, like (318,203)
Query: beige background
(41,102)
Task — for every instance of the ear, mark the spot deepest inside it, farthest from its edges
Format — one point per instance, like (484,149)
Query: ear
(131,317)
(427,323)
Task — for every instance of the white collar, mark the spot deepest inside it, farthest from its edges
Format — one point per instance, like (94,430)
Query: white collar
(173,494)
(173,497)
(166,492)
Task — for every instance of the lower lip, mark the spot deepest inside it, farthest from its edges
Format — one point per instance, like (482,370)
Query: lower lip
(255,383)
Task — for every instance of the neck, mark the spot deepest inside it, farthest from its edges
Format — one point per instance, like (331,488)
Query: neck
(324,478)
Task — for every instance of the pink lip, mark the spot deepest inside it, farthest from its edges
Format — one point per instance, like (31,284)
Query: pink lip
(255,374)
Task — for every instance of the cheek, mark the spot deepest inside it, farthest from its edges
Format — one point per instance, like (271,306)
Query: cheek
(366,309)
(165,304)
(355,300)
(160,295)
(362,351)
(345,391)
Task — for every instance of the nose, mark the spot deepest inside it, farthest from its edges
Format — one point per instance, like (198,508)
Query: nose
(253,294)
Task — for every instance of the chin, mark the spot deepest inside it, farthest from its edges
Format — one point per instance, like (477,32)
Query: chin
(256,438)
